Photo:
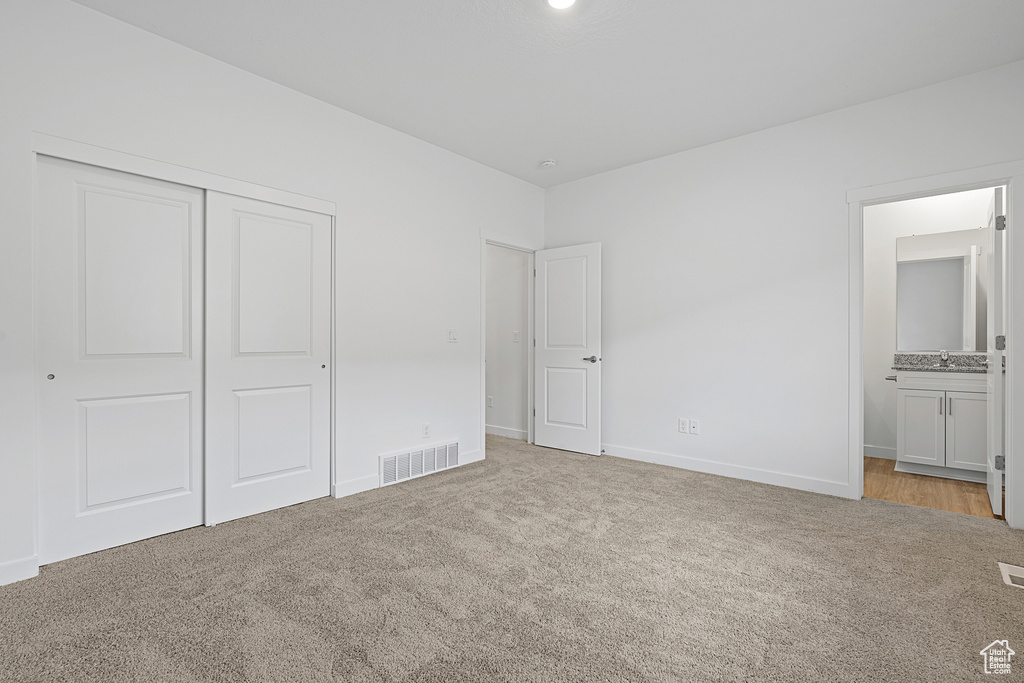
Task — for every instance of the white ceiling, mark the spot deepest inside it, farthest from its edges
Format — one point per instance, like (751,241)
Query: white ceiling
(605,84)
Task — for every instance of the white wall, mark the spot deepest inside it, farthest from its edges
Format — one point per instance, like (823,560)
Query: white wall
(508,282)
(410,217)
(883,224)
(726,289)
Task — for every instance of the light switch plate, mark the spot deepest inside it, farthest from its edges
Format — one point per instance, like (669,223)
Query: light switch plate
(515,337)
(453,336)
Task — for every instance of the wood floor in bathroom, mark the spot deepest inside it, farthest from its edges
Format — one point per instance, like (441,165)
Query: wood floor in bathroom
(882,481)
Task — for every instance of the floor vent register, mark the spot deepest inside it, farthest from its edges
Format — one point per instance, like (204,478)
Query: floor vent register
(1012,575)
(416,463)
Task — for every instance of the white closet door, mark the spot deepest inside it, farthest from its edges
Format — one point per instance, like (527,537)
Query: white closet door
(118,274)
(268,356)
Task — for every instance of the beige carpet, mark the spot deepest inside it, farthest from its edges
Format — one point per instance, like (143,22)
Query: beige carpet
(535,565)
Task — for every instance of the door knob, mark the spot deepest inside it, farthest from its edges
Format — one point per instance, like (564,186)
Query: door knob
(592,359)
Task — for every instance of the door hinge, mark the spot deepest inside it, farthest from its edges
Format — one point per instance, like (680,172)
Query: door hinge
(1000,222)
(1000,462)
(535,272)
(1001,342)
(535,412)
(534,343)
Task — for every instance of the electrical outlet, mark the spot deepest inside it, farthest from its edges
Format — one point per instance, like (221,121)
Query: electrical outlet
(426,430)
(694,426)
(684,426)
(490,401)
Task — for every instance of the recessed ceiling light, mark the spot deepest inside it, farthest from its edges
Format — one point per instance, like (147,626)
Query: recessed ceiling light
(548,163)
(561,4)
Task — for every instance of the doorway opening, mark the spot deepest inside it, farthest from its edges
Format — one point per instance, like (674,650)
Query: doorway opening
(933,292)
(508,341)
(555,295)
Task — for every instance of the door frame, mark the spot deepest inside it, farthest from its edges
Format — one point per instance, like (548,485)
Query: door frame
(518,244)
(1011,175)
(71,150)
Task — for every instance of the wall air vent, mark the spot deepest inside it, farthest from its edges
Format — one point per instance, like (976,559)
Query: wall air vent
(411,464)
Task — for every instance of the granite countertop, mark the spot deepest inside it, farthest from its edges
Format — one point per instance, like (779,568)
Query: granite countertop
(927,362)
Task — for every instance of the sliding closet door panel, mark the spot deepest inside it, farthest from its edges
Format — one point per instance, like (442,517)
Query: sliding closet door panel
(268,356)
(118,274)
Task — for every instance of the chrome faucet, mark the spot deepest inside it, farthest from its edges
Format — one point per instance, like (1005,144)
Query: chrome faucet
(944,358)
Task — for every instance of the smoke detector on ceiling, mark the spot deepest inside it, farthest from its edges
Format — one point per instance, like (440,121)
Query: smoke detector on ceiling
(548,163)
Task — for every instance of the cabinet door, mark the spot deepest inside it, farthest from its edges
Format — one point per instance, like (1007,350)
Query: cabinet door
(921,428)
(966,430)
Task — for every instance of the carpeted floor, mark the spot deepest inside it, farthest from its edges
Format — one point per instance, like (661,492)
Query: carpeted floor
(534,565)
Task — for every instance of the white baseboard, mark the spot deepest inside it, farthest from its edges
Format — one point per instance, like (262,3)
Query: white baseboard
(879,452)
(520,434)
(470,456)
(19,570)
(353,486)
(793,481)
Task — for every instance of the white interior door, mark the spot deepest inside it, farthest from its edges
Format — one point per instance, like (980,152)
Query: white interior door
(995,376)
(568,356)
(268,356)
(118,275)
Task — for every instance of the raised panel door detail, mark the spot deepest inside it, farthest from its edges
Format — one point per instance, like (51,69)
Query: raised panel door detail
(565,324)
(921,427)
(134,274)
(118,276)
(566,393)
(268,351)
(272,291)
(966,431)
(273,432)
(133,449)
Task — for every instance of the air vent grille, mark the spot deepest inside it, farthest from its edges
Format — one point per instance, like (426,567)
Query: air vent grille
(403,466)
(1012,574)
(389,472)
(417,463)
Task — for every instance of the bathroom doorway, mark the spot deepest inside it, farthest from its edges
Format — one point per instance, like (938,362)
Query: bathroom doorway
(930,272)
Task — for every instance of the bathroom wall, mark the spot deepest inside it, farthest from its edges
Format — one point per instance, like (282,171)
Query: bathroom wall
(937,217)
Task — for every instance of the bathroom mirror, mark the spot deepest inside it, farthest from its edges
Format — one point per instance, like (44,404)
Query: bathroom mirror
(936,300)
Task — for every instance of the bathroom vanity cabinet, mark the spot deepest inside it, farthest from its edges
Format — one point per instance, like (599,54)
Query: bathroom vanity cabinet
(941,424)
